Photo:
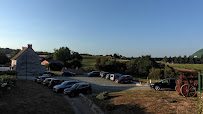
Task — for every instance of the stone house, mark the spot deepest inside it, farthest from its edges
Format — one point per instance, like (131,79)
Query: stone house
(27,62)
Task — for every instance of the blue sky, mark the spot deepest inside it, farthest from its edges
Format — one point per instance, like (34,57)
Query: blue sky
(127,27)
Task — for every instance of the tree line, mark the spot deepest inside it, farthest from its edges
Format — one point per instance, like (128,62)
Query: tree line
(183,60)
(138,67)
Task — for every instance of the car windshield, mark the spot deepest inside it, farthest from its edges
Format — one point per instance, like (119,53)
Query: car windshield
(75,86)
(64,83)
(121,77)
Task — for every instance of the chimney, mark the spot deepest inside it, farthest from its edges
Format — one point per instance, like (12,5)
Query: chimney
(24,48)
(29,45)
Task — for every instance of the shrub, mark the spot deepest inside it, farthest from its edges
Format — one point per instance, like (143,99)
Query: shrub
(108,106)
(9,72)
(11,80)
(103,96)
(156,73)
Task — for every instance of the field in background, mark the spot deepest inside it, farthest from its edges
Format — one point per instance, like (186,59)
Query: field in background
(198,67)
(88,62)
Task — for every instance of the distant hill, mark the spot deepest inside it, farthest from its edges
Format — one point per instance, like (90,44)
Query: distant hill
(198,54)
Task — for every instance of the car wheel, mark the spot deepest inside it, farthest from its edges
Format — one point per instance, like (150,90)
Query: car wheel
(122,82)
(131,81)
(157,88)
(89,91)
(72,94)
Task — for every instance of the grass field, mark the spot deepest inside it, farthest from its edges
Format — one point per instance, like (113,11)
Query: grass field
(88,62)
(197,67)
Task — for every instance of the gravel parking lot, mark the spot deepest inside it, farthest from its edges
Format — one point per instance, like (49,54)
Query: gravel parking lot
(99,84)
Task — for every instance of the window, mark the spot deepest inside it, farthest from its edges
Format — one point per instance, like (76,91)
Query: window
(165,81)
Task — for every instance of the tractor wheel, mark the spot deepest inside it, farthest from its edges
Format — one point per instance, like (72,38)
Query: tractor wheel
(188,90)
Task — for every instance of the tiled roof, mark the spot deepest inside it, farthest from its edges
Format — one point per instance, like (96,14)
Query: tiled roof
(20,53)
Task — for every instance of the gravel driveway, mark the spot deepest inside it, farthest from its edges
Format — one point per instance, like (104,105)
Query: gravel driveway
(99,84)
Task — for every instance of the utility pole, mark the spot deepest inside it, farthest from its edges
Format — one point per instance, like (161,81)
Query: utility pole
(26,64)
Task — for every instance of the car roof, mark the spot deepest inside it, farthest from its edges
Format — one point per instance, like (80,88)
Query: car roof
(49,78)
(71,81)
(126,75)
(83,83)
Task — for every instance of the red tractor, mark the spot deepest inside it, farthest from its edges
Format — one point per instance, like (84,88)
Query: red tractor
(187,84)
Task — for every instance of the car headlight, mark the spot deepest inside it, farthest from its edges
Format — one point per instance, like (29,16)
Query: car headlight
(151,84)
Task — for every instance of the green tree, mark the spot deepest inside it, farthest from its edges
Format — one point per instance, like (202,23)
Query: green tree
(3,58)
(14,52)
(175,60)
(179,59)
(156,73)
(70,59)
(169,72)
(185,59)
(165,59)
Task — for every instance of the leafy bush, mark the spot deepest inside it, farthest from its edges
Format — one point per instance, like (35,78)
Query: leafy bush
(11,80)
(9,72)
(108,106)
(156,73)
(103,96)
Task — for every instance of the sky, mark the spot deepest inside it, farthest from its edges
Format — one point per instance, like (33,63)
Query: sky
(127,27)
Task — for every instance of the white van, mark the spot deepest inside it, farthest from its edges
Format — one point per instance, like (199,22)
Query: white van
(114,76)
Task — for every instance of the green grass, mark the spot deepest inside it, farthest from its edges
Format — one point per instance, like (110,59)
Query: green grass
(88,62)
(198,67)
(145,80)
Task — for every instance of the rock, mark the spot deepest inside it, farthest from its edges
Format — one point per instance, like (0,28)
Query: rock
(169,100)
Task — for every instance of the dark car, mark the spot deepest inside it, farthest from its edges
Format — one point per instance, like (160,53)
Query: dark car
(168,83)
(78,88)
(51,73)
(54,82)
(68,73)
(65,84)
(94,73)
(124,79)
(40,79)
(103,74)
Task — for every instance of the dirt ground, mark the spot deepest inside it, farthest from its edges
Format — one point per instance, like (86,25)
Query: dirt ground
(150,102)
(33,98)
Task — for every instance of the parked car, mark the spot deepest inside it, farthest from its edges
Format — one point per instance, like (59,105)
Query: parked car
(78,88)
(46,81)
(40,79)
(124,79)
(54,82)
(51,73)
(107,76)
(168,83)
(65,84)
(103,75)
(94,73)
(68,73)
(114,76)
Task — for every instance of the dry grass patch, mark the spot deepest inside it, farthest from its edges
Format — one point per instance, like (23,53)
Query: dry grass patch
(150,101)
(153,101)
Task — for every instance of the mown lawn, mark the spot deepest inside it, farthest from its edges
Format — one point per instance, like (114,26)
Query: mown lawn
(148,101)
